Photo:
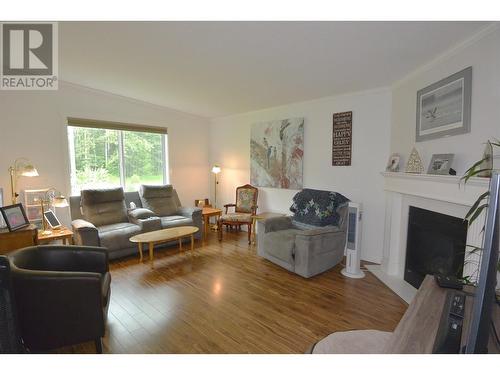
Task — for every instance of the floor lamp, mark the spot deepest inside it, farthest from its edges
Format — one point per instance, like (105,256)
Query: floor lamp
(21,167)
(216,170)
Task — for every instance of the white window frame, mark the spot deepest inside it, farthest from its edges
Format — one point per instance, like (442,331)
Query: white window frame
(121,153)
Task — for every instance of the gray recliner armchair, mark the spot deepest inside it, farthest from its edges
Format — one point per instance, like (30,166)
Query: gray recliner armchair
(310,242)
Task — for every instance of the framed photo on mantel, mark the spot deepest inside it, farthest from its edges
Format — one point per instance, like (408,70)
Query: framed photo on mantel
(443,108)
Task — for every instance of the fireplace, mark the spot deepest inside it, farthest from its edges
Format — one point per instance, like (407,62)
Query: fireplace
(436,244)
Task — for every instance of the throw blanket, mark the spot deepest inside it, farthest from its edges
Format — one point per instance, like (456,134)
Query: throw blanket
(317,207)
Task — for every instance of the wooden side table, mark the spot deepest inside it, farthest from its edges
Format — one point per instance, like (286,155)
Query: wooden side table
(262,216)
(64,234)
(18,239)
(207,213)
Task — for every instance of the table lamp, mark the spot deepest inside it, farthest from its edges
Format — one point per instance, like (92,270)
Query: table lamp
(52,198)
(216,170)
(21,167)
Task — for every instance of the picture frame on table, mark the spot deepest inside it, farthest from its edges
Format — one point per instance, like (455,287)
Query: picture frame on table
(15,216)
(444,108)
(440,164)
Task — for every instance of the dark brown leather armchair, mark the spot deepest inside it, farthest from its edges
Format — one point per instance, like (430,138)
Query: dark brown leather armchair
(62,295)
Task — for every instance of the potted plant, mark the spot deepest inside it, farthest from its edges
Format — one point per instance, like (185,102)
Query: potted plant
(481,168)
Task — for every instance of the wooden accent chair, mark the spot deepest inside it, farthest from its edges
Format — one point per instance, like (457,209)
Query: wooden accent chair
(244,208)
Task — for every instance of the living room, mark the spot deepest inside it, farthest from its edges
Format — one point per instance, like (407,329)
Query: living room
(251,187)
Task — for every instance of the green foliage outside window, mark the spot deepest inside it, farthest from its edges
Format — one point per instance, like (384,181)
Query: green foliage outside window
(97,157)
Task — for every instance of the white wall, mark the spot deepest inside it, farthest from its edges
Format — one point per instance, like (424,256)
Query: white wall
(33,125)
(230,147)
(484,57)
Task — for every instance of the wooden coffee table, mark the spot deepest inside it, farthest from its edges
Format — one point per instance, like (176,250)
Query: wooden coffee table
(164,235)
(207,213)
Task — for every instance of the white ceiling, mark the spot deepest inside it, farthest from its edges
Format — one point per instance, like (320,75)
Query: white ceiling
(219,68)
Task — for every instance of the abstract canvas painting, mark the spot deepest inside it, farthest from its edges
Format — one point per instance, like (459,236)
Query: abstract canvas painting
(276,153)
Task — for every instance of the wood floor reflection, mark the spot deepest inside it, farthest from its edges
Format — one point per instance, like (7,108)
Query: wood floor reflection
(223,298)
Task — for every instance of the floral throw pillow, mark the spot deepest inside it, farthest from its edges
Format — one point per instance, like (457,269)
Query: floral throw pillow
(317,207)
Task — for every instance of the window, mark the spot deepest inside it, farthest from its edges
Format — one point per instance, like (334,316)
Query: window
(105,155)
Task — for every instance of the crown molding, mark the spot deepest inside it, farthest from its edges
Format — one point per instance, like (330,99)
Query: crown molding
(492,27)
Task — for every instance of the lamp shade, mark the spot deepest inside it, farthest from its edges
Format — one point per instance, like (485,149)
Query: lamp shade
(216,169)
(60,202)
(28,170)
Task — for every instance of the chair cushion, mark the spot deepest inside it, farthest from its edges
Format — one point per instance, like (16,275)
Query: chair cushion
(281,244)
(103,206)
(353,342)
(116,236)
(245,199)
(239,217)
(159,198)
(175,221)
(317,207)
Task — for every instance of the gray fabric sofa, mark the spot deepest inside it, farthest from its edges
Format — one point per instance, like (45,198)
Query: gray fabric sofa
(304,249)
(103,217)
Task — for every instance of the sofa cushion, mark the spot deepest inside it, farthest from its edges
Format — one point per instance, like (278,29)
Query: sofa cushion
(281,244)
(175,221)
(239,217)
(159,198)
(116,236)
(104,206)
(317,207)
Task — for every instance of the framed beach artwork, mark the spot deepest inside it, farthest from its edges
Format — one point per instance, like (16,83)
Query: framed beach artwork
(276,153)
(444,108)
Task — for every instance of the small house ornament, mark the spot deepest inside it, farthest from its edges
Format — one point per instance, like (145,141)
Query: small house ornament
(414,164)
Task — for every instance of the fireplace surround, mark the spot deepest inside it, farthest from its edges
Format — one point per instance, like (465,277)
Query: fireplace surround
(442,194)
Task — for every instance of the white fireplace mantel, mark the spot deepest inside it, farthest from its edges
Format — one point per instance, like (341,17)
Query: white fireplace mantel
(437,187)
(440,193)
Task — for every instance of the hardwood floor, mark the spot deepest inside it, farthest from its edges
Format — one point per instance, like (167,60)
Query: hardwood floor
(223,298)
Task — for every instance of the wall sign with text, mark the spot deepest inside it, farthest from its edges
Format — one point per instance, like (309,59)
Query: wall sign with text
(342,138)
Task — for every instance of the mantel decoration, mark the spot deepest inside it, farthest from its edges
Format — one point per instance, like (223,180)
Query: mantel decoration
(487,161)
(443,108)
(483,167)
(342,139)
(276,153)
(440,164)
(414,164)
(393,163)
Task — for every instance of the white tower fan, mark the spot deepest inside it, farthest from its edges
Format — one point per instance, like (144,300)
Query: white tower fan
(353,243)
